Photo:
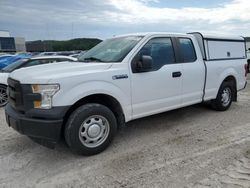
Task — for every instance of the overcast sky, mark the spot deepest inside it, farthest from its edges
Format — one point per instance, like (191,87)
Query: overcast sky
(64,19)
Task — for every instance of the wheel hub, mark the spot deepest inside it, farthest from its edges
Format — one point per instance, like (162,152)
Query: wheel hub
(94,130)
(226,97)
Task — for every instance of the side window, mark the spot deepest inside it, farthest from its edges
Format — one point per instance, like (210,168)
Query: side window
(60,60)
(37,62)
(51,61)
(32,63)
(161,50)
(187,50)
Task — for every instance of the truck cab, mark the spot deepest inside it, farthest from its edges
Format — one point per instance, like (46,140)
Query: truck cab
(122,79)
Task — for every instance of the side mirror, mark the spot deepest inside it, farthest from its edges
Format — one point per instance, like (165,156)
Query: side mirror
(145,64)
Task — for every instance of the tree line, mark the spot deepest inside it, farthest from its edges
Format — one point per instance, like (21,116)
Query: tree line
(67,45)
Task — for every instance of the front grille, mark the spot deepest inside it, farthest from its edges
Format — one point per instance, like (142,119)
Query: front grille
(15,93)
(20,96)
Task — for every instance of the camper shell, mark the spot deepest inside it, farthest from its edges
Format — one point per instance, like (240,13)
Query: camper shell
(215,48)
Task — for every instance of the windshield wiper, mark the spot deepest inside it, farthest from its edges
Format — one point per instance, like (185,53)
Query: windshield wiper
(92,59)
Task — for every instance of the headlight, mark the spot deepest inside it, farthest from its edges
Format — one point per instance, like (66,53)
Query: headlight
(46,92)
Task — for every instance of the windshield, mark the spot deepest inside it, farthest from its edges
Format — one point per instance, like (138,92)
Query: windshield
(14,65)
(111,50)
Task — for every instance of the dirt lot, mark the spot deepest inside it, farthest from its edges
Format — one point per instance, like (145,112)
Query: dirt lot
(189,147)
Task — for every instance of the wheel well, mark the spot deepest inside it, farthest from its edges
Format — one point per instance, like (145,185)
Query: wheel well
(103,99)
(231,79)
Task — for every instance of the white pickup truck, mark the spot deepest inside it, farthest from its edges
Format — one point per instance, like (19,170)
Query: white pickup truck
(122,79)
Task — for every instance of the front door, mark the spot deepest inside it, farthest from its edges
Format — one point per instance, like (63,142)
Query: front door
(159,89)
(193,72)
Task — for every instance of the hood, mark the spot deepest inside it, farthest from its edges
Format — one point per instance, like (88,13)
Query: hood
(49,72)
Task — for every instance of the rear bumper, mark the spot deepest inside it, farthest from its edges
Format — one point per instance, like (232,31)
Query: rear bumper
(44,131)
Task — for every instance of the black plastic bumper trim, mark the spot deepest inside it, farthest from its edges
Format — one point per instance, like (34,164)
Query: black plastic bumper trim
(46,130)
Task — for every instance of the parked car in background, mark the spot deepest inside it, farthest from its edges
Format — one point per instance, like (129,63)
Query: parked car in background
(22,63)
(76,55)
(47,53)
(66,53)
(11,59)
(248,60)
(5,56)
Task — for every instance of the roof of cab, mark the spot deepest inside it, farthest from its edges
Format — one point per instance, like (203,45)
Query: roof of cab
(149,34)
(205,35)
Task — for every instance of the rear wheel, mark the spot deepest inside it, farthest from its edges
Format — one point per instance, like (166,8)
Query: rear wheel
(3,95)
(224,97)
(90,129)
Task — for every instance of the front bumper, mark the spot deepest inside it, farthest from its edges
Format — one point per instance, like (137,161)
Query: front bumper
(44,131)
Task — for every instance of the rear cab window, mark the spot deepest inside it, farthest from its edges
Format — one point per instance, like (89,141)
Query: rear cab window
(187,51)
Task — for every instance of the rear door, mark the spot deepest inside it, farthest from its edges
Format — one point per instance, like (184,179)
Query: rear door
(193,71)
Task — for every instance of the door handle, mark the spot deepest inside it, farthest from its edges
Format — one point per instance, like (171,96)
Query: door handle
(176,74)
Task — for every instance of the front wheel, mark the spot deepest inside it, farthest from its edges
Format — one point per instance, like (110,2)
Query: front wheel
(90,129)
(224,97)
(3,95)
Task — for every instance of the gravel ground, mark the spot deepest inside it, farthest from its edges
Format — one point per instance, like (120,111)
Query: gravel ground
(188,147)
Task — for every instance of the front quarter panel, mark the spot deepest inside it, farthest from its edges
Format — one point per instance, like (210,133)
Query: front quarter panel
(76,88)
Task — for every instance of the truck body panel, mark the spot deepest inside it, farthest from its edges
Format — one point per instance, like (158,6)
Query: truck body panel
(217,71)
(182,69)
(217,50)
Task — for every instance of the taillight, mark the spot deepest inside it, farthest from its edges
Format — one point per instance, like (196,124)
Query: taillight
(246,69)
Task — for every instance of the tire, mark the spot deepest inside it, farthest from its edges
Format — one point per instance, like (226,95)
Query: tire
(3,95)
(90,129)
(224,97)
